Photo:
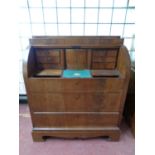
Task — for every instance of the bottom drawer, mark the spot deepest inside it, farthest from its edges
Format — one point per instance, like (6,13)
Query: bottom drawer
(75,120)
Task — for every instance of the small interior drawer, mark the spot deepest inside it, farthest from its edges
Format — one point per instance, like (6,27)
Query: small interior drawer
(41,52)
(42,59)
(102,65)
(98,53)
(48,65)
(112,53)
(108,52)
(48,52)
(53,59)
(53,52)
(48,59)
(103,59)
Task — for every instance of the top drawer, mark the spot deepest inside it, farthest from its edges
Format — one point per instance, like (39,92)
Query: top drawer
(75,85)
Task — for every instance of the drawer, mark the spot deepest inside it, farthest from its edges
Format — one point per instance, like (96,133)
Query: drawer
(112,53)
(110,65)
(48,52)
(104,59)
(53,59)
(46,102)
(92,102)
(48,66)
(41,52)
(47,59)
(103,65)
(75,85)
(98,53)
(75,102)
(75,120)
(53,52)
(105,53)
(42,59)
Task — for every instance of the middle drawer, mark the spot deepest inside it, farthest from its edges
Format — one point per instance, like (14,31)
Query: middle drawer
(75,102)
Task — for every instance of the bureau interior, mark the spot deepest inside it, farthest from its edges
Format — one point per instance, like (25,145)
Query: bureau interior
(49,62)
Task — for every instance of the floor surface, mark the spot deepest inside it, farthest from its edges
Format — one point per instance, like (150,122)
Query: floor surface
(54,146)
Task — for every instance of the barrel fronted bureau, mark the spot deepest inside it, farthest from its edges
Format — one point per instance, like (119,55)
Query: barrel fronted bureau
(89,101)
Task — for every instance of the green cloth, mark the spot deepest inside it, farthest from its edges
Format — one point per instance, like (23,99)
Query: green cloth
(77,73)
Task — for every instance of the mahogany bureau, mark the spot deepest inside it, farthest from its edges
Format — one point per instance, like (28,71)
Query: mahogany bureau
(76,85)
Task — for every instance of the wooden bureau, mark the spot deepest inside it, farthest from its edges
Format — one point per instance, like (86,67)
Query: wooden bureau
(76,106)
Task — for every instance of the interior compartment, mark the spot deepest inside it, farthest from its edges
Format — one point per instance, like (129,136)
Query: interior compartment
(85,63)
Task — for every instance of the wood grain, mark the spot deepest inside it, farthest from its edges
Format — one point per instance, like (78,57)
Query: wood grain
(74,120)
(76,102)
(76,59)
(105,73)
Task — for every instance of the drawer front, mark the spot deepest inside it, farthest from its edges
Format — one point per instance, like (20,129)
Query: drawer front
(92,102)
(112,53)
(47,52)
(42,66)
(46,102)
(98,53)
(52,59)
(103,65)
(105,53)
(54,53)
(75,120)
(41,52)
(41,59)
(104,59)
(75,102)
(75,85)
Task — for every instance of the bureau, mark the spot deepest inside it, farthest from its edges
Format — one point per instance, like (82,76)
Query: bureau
(76,85)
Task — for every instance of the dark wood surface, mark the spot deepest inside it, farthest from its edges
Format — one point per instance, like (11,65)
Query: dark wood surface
(76,42)
(105,73)
(80,107)
(129,110)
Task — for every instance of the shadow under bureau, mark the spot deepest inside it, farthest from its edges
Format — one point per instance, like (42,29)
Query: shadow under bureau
(76,86)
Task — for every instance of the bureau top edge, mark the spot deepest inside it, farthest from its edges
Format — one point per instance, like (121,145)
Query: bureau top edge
(70,42)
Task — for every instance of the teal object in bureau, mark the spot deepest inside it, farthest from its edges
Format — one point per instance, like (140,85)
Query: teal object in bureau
(77,74)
